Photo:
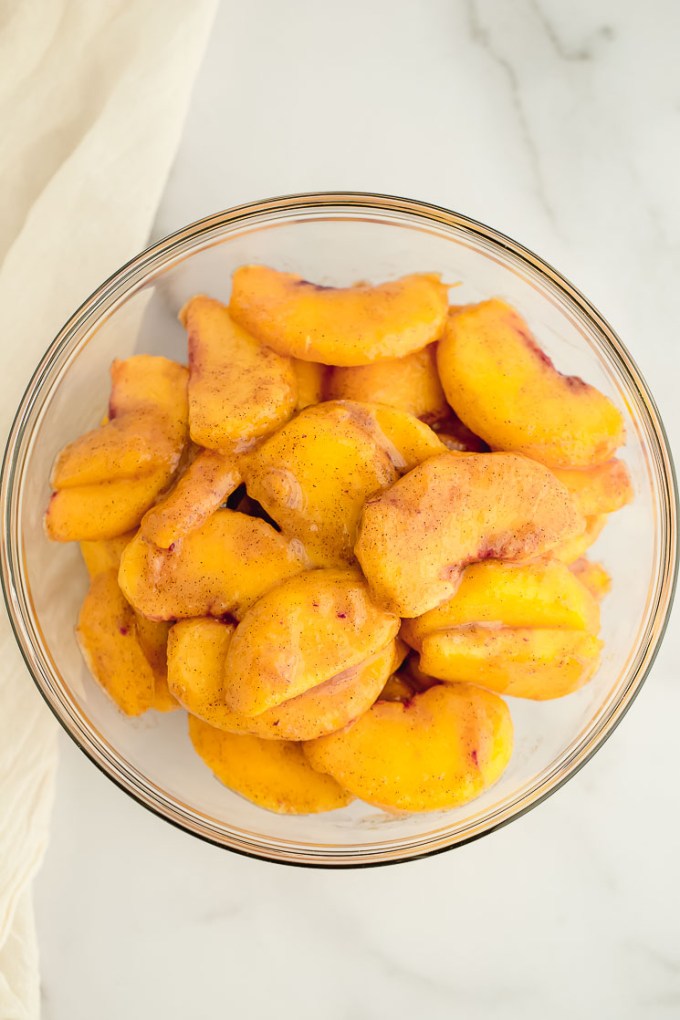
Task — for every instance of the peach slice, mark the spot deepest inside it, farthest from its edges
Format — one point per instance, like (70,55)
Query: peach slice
(238,390)
(207,482)
(149,383)
(406,440)
(408,384)
(107,510)
(220,568)
(313,477)
(108,638)
(104,554)
(453,509)
(522,662)
(602,489)
(273,774)
(575,547)
(439,750)
(497,594)
(197,654)
(339,326)
(593,576)
(153,640)
(300,634)
(311,382)
(507,390)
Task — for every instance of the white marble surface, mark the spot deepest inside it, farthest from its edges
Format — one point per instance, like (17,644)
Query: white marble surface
(560,124)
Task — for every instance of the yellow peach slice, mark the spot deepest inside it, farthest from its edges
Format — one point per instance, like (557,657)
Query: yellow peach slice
(273,774)
(203,487)
(153,640)
(406,440)
(220,568)
(593,576)
(107,510)
(313,477)
(305,631)
(453,509)
(408,384)
(107,635)
(507,390)
(311,381)
(441,749)
(104,554)
(575,547)
(339,326)
(238,389)
(522,662)
(511,595)
(602,489)
(197,654)
(149,383)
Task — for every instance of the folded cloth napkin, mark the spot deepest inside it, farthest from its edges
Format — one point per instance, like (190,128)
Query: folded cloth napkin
(92,101)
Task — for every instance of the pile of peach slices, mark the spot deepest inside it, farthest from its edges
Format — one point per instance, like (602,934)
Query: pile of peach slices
(353,522)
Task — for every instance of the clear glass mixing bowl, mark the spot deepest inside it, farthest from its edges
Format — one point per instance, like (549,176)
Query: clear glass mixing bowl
(332,238)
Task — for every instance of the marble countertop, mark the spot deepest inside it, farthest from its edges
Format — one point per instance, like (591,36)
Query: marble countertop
(560,125)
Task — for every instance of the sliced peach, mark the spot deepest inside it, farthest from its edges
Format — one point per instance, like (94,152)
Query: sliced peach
(107,510)
(222,567)
(238,389)
(593,576)
(305,631)
(408,384)
(107,634)
(153,639)
(197,654)
(453,509)
(441,749)
(311,381)
(575,547)
(208,480)
(602,489)
(148,383)
(273,774)
(339,326)
(104,554)
(406,440)
(511,595)
(522,662)
(313,477)
(507,390)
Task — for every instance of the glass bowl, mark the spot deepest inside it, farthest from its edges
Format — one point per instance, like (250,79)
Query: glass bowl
(330,238)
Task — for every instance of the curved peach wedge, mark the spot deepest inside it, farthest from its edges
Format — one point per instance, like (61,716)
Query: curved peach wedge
(507,390)
(497,593)
(453,509)
(405,439)
(439,750)
(108,638)
(602,489)
(220,568)
(238,390)
(107,478)
(574,548)
(300,634)
(339,325)
(197,654)
(313,477)
(207,482)
(524,662)
(408,384)
(104,554)
(273,774)
(311,382)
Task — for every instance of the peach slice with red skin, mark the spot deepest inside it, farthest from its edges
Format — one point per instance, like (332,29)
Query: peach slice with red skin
(441,749)
(272,774)
(602,489)
(302,633)
(220,568)
(197,655)
(454,509)
(507,390)
(238,389)
(342,326)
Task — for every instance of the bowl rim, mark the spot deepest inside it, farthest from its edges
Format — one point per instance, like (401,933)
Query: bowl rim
(116,287)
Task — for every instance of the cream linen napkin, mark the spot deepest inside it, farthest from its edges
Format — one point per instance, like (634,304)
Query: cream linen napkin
(93,94)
